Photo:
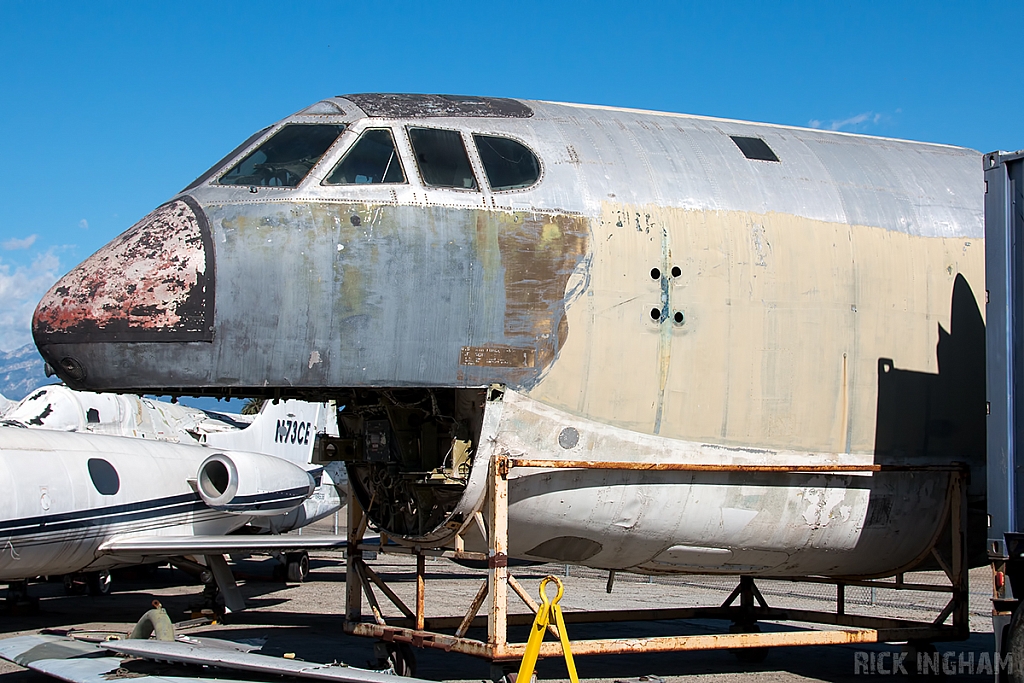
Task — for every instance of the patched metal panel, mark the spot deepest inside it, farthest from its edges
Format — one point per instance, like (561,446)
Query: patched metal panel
(393,105)
(389,295)
(154,282)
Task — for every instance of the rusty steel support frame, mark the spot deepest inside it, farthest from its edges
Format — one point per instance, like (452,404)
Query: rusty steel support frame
(416,629)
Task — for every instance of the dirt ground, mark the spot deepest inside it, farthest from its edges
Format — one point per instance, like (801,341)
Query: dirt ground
(306,619)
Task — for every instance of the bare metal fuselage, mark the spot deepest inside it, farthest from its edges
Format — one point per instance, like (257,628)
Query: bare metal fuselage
(656,297)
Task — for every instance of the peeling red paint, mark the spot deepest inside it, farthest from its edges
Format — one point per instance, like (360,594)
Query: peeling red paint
(154,281)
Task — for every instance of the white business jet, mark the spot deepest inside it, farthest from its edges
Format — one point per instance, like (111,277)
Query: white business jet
(90,482)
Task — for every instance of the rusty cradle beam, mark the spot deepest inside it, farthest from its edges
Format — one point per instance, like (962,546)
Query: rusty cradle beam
(851,628)
(699,467)
(652,644)
(670,614)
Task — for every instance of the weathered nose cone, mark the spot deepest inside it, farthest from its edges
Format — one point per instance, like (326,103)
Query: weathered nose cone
(153,283)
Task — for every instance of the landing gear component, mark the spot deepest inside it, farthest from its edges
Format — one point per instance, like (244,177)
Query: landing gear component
(95,583)
(397,656)
(73,585)
(98,583)
(18,600)
(412,453)
(297,566)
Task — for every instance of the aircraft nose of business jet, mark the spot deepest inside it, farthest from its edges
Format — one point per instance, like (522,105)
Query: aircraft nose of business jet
(153,283)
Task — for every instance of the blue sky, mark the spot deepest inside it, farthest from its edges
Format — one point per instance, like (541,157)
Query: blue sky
(108,109)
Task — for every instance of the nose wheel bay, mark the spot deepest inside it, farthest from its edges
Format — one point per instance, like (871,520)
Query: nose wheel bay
(410,453)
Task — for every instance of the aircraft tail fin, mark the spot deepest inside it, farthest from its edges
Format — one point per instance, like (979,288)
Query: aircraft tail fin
(286,429)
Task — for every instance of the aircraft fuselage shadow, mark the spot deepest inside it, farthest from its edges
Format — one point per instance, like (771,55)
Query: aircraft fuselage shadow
(939,418)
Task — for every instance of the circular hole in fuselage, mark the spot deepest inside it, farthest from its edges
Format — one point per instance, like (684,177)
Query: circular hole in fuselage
(655,274)
(678,317)
(676,271)
(655,314)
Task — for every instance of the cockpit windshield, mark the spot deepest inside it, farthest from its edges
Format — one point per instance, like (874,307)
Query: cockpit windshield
(286,157)
(230,155)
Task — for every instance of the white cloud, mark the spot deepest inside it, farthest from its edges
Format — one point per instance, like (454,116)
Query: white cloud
(21,287)
(83,224)
(24,243)
(857,122)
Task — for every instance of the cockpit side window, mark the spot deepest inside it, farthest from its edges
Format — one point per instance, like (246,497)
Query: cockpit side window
(510,165)
(286,157)
(441,157)
(373,159)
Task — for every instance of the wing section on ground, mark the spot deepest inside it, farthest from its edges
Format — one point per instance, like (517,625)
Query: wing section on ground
(167,546)
(186,653)
(79,662)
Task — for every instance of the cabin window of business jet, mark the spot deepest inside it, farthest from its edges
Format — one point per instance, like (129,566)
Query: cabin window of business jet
(104,476)
(754,148)
(509,165)
(441,157)
(373,159)
(285,158)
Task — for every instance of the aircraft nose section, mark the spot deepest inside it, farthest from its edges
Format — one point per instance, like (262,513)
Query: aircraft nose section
(153,283)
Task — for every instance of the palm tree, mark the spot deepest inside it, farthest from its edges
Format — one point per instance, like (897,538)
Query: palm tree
(252,406)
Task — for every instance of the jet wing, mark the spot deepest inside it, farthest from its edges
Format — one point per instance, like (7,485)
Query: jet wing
(163,546)
(77,662)
(187,653)
(101,670)
(23,650)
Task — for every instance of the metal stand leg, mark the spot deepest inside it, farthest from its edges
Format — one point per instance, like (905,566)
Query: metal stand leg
(745,606)
(353,556)
(420,589)
(960,577)
(497,556)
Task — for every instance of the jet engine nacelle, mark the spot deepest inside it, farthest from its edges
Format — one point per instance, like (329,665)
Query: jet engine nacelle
(253,484)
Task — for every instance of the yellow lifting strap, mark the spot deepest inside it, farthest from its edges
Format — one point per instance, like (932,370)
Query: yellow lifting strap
(540,624)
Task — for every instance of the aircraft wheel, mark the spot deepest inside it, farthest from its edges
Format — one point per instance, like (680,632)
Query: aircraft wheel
(1014,645)
(398,656)
(99,583)
(748,655)
(297,566)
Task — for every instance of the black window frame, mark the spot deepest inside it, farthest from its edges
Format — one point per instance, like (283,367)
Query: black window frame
(359,136)
(753,147)
(483,165)
(222,165)
(270,136)
(465,148)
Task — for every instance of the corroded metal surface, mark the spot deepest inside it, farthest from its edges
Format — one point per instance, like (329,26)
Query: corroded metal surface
(653,644)
(702,467)
(153,283)
(392,105)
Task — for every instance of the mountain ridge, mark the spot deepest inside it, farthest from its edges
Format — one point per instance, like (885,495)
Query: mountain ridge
(21,371)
